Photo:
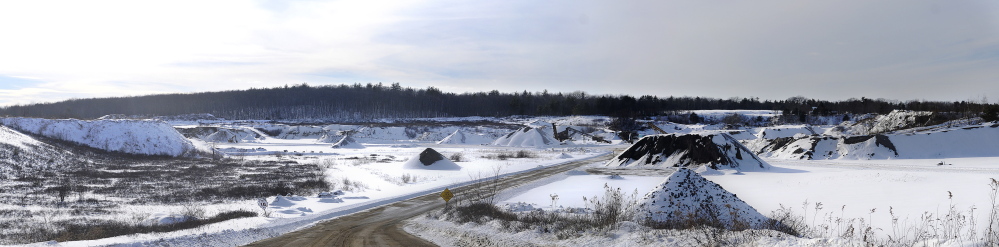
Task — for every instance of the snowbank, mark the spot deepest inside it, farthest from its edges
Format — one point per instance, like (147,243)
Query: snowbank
(686,194)
(126,136)
(687,150)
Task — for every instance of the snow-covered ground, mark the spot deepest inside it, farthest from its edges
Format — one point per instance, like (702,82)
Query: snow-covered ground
(377,175)
(822,191)
(937,168)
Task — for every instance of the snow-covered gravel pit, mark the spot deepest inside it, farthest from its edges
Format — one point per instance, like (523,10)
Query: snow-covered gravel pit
(829,196)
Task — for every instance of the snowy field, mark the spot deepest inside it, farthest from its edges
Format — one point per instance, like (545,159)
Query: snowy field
(378,178)
(875,191)
(835,177)
(373,170)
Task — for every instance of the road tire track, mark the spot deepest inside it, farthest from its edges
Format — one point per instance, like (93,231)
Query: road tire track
(382,226)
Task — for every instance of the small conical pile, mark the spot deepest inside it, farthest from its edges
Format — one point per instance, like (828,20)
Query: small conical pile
(430,159)
(687,198)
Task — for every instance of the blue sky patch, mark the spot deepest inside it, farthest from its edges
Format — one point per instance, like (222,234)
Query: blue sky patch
(11,82)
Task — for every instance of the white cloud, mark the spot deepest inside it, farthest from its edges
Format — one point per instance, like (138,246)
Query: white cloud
(770,49)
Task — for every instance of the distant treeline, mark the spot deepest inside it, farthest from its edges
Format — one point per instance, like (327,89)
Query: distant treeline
(372,101)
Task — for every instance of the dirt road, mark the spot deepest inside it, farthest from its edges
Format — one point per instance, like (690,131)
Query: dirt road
(382,226)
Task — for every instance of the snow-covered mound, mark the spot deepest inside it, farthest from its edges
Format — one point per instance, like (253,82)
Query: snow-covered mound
(899,119)
(785,131)
(872,124)
(528,137)
(430,159)
(126,136)
(688,150)
(685,196)
(826,148)
(460,137)
(196,132)
(347,142)
(333,136)
(22,155)
(385,134)
(579,135)
(957,142)
(234,135)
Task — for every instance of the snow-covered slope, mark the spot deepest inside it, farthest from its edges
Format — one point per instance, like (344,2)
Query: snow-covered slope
(347,142)
(970,141)
(685,195)
(899,119)
(384,134)
(528,137)
(718,151)
(871,124)
(234,135)
(957,142)
(461,137)
(784,131)
(332,136)
(826,147)
(126,136)
(23,155)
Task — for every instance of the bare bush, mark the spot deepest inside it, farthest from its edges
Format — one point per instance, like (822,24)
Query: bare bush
(408,178)
(89,229)
(457,157)
(520,154)
(347,184)
(610,210)
(193,210)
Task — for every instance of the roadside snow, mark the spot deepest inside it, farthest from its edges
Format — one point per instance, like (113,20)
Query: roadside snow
(380,187)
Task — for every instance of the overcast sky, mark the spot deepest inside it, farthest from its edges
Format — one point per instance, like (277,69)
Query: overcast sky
(834,50)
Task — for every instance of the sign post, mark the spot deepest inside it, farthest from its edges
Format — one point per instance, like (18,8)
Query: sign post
(263,205)
(446,195)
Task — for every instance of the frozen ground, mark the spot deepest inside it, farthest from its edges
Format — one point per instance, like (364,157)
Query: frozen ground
(370,177)
(372,174)
(875,191)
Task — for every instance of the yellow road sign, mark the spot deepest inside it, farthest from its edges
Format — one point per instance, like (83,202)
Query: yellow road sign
(446,195)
